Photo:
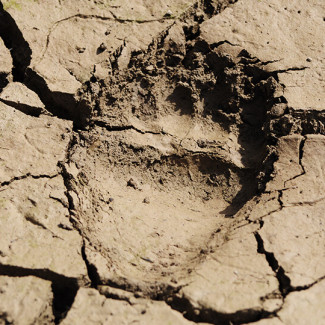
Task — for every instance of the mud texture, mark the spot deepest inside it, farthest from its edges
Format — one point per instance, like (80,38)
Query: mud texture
(162,162)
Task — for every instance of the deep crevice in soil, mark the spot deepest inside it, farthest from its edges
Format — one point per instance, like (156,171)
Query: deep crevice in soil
(60,104)
(213,317)
(3,80)
(91,269)
(16,44)
(64,288)
(284,280)
(28,110)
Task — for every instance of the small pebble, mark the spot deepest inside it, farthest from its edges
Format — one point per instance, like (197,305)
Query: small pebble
(150,68)
(132,183)
(65,226)
(309,59)
(197,312)
(146,200)
(80,49)
(278,110)
(168,13)
(102,47)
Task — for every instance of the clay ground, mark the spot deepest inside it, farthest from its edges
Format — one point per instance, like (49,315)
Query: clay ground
(162,162)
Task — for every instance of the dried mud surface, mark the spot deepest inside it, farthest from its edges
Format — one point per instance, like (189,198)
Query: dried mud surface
(162,162)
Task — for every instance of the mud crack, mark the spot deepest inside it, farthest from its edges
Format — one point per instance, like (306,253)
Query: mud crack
(283,279)
(59,104)
(211,316)
(113,128)
(64,289)
(91,269)
(103,18)
(285,286)
(18,178)
(16,44)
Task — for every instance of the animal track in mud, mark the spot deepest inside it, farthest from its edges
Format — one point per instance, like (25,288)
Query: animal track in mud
(165,152)
(176,144)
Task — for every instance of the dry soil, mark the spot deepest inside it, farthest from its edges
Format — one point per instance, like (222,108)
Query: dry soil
(162,162)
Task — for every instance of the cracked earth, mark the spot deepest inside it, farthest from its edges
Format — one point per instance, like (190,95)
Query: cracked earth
(162,162)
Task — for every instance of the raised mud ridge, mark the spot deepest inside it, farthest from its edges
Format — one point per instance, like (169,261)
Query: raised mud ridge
(182,184)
